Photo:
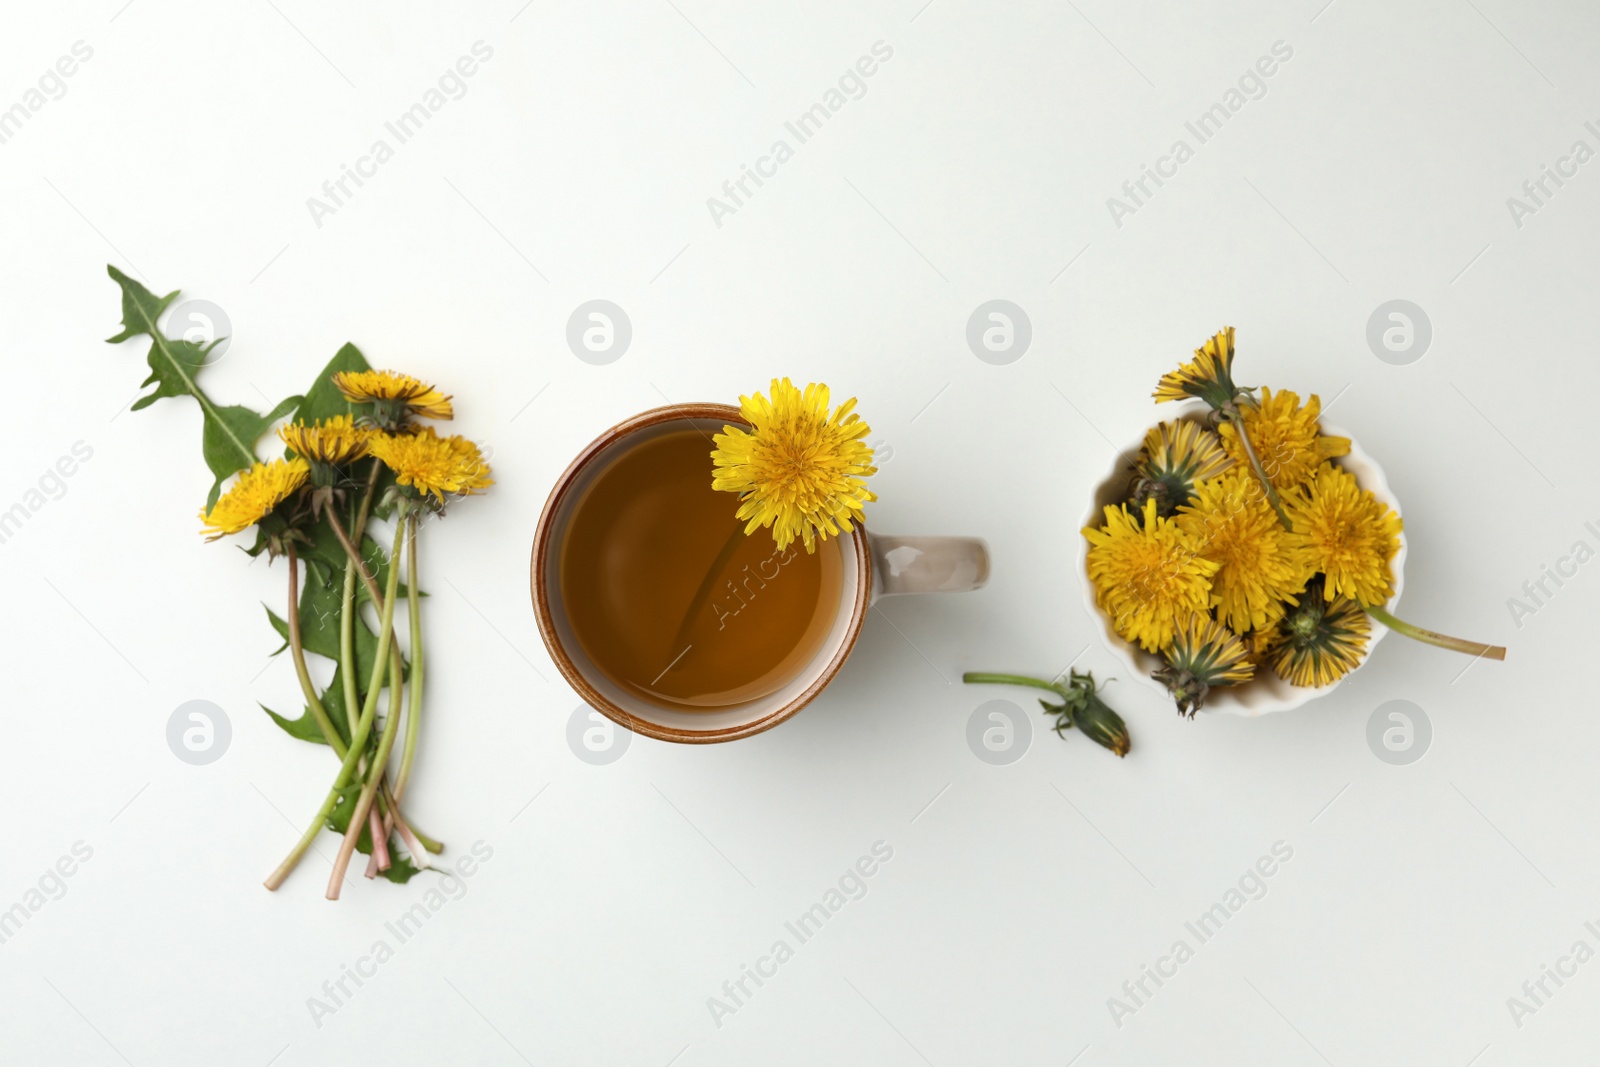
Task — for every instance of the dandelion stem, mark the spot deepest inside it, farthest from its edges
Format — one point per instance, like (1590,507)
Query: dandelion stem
(380,844)
(347,646)
(358,740)
(415,839)
(389,801)
(347,616)
(363,813)
(355,557)
(1232,414)
(360,526)
(349,666)
(417,843)
(298,652)
(1429,637)
(981,678)
(387,806)
(318,710)
(414,717)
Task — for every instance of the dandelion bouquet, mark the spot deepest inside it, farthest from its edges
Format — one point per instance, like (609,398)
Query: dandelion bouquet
(1243,546)
(355,452)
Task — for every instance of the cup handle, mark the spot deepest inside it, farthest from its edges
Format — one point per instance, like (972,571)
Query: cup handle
(927,564)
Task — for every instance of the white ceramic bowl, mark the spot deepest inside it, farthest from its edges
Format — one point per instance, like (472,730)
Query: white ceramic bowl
(1266,692)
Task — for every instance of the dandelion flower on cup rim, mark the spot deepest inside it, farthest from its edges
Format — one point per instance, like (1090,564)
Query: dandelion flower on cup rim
(799,469)
(1286,437)
(432,465)
(1148,578)
(1348,535)
(393,395)
(1260,564)
(1209,376)
(256,494)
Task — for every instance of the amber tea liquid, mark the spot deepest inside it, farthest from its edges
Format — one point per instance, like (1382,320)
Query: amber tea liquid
(642,541)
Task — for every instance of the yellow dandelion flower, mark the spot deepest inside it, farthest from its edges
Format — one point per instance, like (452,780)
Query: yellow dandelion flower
(1203,655)
(254,496)
(1258,643)
(429,464)
(472,465)
(1148,578)
(334,441)
(1286,437)
(1347,534)
(1208,376)
(1320,642)
(798,470)
(1176,456)
(1260,563)
(393,394)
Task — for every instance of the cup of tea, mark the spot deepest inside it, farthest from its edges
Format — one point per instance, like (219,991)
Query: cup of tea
(668,619)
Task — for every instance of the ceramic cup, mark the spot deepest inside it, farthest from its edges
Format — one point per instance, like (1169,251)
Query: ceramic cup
(1266,693)
(873,565)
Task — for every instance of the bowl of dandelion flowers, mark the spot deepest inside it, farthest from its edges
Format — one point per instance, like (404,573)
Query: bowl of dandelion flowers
(1244,555)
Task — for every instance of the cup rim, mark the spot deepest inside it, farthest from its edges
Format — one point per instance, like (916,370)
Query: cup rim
(544,539)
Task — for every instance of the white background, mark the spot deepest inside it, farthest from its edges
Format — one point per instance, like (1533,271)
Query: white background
(976,166)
